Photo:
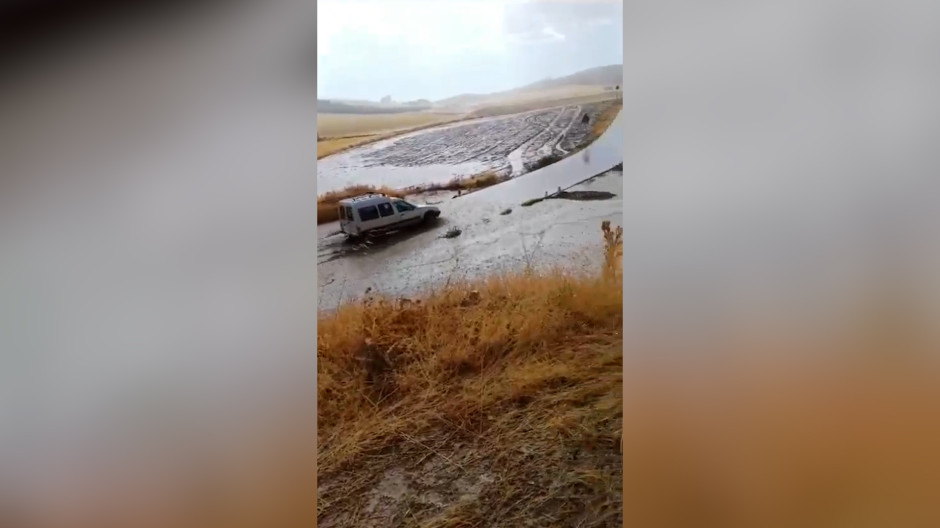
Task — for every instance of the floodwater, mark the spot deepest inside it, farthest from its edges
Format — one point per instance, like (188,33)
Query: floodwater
(552,232)
(436,155)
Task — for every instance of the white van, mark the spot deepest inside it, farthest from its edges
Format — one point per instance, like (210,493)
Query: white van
(376,212)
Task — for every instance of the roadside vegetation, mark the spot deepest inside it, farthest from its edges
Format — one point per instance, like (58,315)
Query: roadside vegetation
(490,403)
(603,121)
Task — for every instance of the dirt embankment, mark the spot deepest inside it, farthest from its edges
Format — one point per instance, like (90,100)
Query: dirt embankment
(496,403)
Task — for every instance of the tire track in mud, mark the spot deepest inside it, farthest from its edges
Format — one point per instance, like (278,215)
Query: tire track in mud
(509,145)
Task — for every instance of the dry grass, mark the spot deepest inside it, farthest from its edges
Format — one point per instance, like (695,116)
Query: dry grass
(349,125)
(326,147)
(494,403)
(484,179)
(603,121)
(327,203)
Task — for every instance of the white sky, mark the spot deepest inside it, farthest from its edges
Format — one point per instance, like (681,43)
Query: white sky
(432,49)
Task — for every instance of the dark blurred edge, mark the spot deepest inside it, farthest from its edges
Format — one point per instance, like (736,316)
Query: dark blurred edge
(34,29)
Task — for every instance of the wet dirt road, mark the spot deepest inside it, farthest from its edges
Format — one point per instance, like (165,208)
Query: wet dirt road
(552,232)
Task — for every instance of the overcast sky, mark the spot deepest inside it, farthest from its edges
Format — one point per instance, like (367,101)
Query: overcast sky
(433,49)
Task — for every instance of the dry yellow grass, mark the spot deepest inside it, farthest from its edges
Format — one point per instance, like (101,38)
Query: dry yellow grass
(479,181)
(603,121)
(494,403)
(347,125)
(326,147)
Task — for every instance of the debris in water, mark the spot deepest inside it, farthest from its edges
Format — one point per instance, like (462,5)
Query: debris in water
(584,195)
(506,212)
(453,232)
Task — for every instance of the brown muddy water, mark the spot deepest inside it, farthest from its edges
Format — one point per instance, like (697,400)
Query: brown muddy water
(509,145)
(407,262)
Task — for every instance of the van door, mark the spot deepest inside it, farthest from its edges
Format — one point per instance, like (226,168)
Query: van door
(387,213)
(405,210)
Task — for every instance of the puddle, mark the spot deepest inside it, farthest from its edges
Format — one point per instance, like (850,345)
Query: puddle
(339,246)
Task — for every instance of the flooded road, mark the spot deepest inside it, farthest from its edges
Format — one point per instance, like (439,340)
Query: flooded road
(552,232)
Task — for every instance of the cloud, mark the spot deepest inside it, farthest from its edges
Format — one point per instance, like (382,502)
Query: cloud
(550,32)
(597,22)
(433,48)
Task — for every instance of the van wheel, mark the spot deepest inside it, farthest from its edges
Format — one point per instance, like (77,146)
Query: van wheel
(430,215)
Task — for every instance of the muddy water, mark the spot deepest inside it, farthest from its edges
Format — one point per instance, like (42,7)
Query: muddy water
(503,144)
(599,157)
(553,232)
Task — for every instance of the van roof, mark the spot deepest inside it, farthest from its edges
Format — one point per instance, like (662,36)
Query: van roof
(364,198)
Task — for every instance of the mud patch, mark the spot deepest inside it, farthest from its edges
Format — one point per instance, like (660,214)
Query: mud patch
(339,246)
(453,232)
(578,195)
(583,195)
(387,494)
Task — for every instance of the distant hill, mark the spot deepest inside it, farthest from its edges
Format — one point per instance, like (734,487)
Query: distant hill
(602,76)
(328,106)
(611,75)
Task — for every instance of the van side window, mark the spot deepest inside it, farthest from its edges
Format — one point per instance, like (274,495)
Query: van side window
(368,213)
(403,206)
(385,209)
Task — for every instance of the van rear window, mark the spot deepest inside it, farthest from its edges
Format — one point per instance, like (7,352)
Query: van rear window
(368,213)
(342,212)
